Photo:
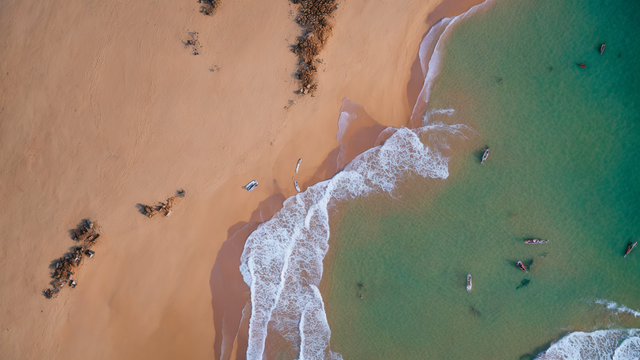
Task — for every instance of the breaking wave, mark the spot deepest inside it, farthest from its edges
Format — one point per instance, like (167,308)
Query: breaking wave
(430,55)
(617,308)
(601,344)
(282,259)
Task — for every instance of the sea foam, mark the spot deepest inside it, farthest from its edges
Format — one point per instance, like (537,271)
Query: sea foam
(601,344)
(611,305)
(282,259)
(436,38)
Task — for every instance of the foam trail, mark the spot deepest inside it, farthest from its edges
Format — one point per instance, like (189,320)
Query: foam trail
(433,68)
(601,344)
(345,119)
(282,259)
(629,349)
(439,34)
(618,308)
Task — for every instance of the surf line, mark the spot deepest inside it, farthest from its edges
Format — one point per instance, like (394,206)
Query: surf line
(282,258)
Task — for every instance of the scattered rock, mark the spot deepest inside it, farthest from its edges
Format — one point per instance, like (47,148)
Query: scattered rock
(65,267)
(209,7)
(193,43)
(163,207)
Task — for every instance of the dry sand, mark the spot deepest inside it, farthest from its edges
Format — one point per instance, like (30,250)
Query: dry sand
(102,107)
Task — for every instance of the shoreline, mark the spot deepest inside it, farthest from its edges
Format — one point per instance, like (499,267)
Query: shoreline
(143,295)
(262,256)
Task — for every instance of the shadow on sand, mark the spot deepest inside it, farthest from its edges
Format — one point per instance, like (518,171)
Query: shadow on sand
(230,296)
(359,134)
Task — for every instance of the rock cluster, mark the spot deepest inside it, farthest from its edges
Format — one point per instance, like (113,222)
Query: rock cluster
(65,267)
(314,16)
(209,7)
(163,207)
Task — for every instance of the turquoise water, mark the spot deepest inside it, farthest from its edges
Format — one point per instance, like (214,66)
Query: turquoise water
(564,166)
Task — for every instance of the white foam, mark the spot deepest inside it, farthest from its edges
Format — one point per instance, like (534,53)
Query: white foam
(611,305)
(434,64)
(629,349)
(345,119)
(282,259)
(439,34)
(601,344)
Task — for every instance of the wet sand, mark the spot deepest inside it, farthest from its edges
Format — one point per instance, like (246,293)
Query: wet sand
(104,107)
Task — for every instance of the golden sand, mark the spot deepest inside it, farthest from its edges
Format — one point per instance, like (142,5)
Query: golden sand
(104,106)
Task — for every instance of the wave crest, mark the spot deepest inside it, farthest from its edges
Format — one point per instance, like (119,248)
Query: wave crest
(601,344)
(282,259)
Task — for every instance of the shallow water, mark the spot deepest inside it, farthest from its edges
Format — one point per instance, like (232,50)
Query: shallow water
(564,166)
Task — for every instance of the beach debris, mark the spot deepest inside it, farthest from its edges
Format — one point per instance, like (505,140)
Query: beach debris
(149,211)
(298,165)
(166,206)
(209,7)
(524,283)
(50,294)
(193,43)
(295,183)
(163,207)
(251,185)
(314,17)
(289,104)
(86,233)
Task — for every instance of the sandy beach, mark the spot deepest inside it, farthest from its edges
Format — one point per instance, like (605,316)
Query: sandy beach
(103,107)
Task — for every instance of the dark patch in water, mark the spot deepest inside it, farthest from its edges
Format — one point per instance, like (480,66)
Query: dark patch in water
(528,264)
(524,283)
(475,311)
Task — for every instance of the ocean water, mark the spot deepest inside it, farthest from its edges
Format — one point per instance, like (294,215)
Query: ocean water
(372,263)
